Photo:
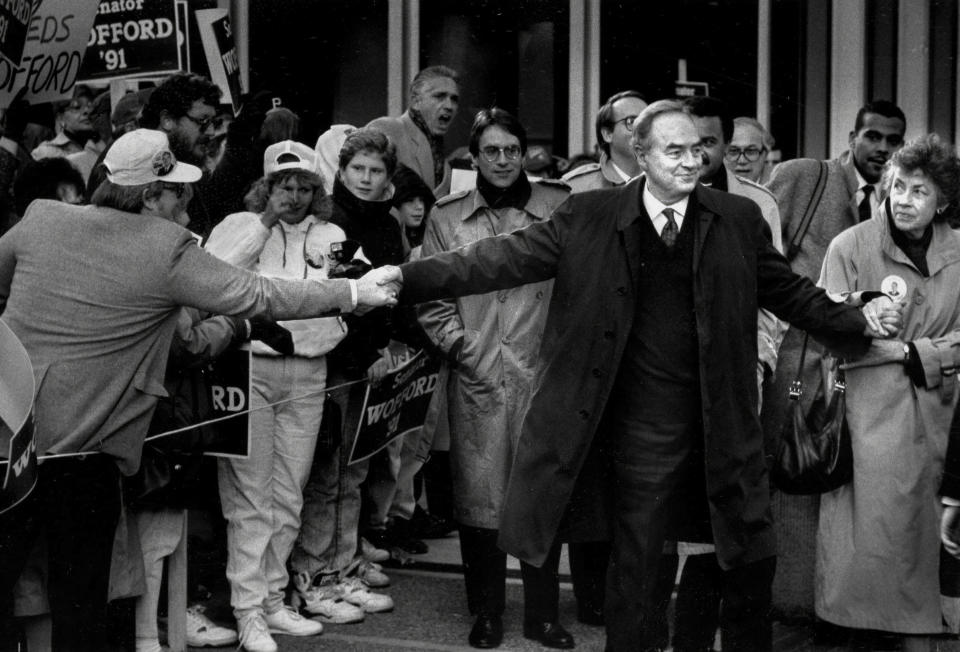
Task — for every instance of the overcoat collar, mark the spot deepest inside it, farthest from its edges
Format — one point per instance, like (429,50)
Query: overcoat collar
(703,209)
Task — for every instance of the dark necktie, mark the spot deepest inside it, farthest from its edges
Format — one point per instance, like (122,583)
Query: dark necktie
(670,230)
(864,209)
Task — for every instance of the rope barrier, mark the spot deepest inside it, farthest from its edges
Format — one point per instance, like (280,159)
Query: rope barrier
(169,433)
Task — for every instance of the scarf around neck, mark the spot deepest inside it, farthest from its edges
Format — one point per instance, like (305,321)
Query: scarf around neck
(436,146)
(516,195)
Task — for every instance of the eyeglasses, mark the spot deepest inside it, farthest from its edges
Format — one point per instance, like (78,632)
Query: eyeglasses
(491,154)
(752,154)
(177,188)
(202,125)
(626,120)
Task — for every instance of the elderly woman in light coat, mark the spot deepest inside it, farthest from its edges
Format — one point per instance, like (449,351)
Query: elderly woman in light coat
(878,549)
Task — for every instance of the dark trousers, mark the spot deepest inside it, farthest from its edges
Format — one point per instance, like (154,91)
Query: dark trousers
(485,575)
(588,572)
(658,471)
(76,506)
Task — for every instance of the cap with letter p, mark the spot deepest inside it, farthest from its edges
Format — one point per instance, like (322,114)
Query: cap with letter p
(143,156)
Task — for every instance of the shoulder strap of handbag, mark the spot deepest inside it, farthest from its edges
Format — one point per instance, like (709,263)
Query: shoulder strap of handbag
(803,357)
(793,248)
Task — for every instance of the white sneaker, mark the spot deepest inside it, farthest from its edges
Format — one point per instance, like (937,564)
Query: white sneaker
(371,573)
(287,621)
(324,601)
(354,591)
(254,636)
(373,553)
(203,632)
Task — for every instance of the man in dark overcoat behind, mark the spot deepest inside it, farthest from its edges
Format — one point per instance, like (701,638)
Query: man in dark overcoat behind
(651,331)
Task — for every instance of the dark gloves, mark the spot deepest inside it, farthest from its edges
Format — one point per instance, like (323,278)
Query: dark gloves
(272,334)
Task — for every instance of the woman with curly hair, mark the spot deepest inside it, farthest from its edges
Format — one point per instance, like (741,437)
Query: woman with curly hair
(878,543)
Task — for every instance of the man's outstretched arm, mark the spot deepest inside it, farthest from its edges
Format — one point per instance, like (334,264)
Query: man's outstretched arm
(525,256)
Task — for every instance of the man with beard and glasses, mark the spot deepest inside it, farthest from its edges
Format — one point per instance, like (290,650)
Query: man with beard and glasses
(184,107)
(418,133)
(491,342)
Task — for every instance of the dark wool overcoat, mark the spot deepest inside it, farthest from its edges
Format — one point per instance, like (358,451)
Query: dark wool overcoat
(591,248)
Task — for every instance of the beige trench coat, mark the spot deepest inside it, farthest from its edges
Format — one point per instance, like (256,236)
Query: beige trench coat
(489,388)
(878,541)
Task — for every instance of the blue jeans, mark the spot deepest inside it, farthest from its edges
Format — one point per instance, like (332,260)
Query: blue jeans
(330,519)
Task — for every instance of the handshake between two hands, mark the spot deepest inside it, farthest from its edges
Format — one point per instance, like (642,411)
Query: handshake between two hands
(378,287)
(884,318)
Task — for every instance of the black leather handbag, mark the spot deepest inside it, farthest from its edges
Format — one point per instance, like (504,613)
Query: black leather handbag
(815,454)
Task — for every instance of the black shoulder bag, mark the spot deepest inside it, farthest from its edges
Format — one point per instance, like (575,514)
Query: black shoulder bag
(815,454)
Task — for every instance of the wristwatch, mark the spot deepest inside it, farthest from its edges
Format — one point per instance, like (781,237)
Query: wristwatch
(906,352)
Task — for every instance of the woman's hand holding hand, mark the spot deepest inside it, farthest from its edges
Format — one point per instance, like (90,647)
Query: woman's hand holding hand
(884,317)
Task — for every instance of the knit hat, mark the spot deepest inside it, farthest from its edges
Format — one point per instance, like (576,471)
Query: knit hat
(408,185)
(143,156)
(289,155)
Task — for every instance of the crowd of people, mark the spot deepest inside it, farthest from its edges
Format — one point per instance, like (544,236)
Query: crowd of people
(615,338)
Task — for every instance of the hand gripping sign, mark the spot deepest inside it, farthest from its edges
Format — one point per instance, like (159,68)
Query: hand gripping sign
(394,407)
(18,452)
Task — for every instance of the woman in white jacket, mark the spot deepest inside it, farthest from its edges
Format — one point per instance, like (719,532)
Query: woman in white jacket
(286,235)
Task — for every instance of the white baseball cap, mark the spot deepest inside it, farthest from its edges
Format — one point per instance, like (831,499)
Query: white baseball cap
(289,155)
(143,156)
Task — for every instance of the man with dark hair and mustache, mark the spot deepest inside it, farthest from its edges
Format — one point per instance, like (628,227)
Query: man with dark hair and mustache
(184,107)
(418,133)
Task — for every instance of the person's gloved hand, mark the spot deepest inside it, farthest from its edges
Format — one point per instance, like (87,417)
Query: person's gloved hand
(272,334)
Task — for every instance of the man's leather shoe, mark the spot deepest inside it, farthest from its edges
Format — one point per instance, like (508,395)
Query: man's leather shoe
(487,632)
(550,634)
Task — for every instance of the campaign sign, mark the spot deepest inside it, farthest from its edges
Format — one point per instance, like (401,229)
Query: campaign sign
(56,39)
(18,452)
(221,53)
(229,383)
(14,18)
(228,433)
(396,406)
(132,37)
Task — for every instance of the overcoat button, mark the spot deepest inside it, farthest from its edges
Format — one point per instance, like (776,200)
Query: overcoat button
(584,414)
(918,298)
(608,334)
(595,372)
(622,291)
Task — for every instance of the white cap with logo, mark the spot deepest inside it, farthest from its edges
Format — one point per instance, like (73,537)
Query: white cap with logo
(289,155)
(143,156)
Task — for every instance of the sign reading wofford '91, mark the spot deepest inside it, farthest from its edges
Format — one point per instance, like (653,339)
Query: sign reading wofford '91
(132,37)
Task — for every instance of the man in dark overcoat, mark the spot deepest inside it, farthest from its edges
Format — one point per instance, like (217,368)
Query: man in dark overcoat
(651,332)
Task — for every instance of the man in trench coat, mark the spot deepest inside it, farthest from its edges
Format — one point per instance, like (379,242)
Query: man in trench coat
(626,298)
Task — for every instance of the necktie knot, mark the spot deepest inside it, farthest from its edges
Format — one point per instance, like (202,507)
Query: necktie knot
(669,232)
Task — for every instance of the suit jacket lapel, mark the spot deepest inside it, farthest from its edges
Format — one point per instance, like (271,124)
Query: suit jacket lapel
(704,219)
(850,178)
(630,213)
